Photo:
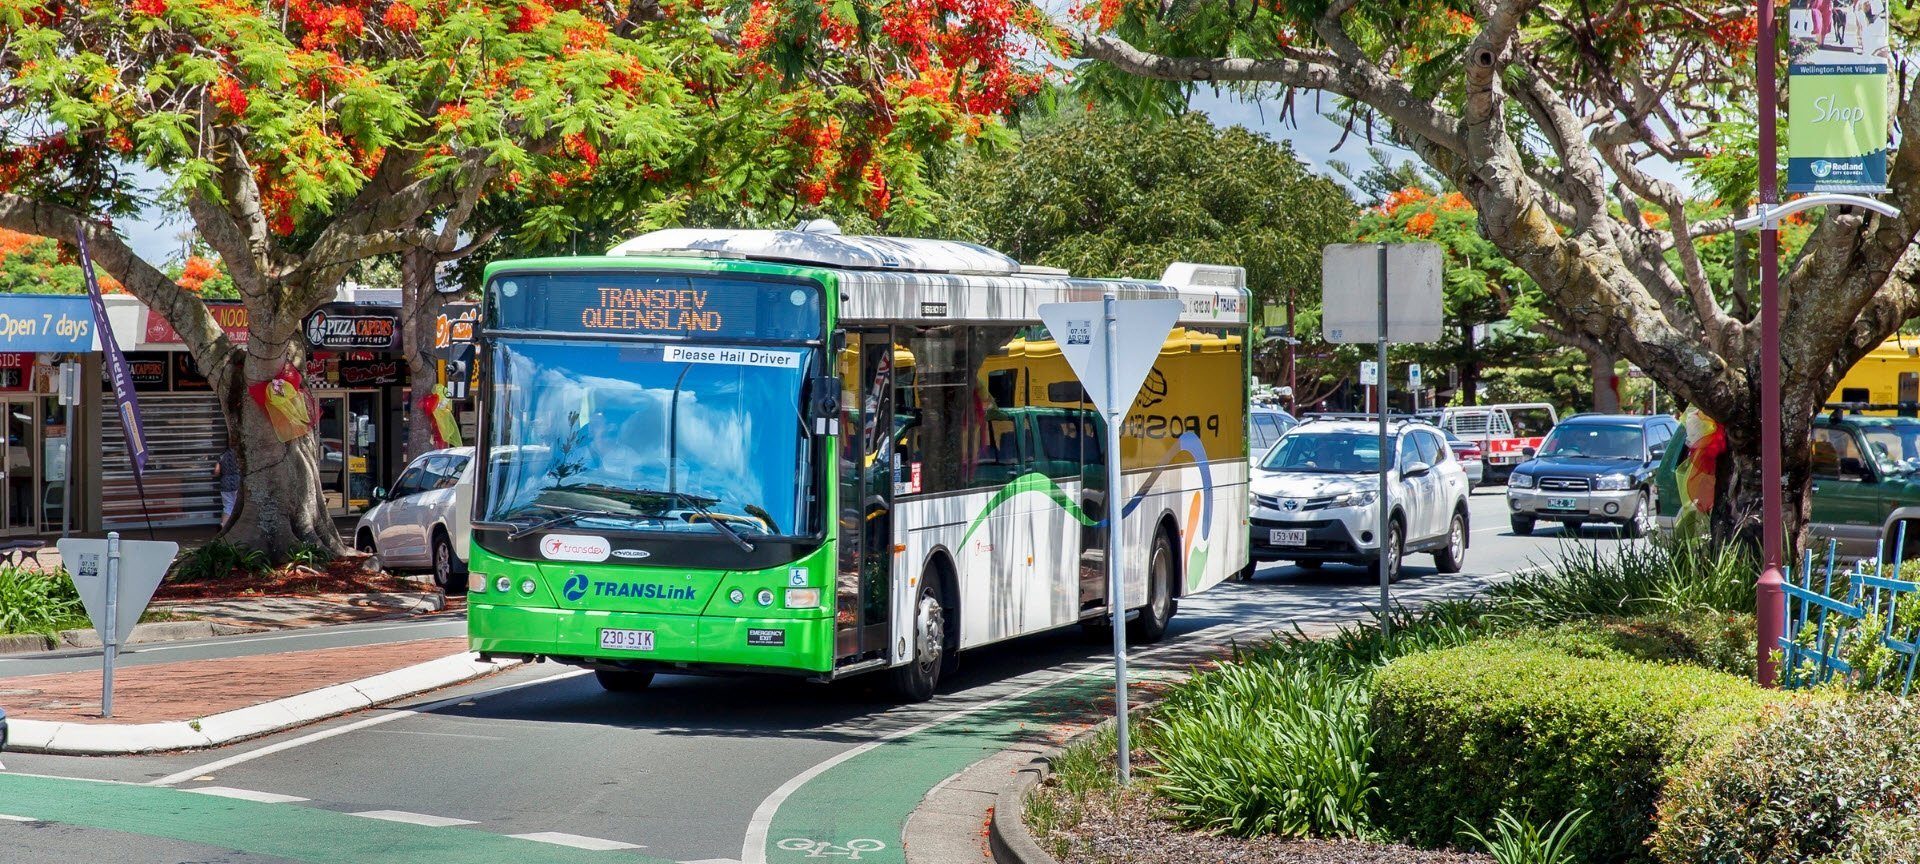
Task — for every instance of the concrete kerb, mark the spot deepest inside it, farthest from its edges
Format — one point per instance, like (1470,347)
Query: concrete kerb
(114,739)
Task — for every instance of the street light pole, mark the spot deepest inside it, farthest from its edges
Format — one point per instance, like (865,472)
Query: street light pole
(1770,608)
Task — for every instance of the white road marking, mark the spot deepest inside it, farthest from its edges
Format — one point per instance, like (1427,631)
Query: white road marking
(245,794)
(302,741)
(7,817)
(754,850)
(714,861)
(576,841)
(415,818)
(439,734)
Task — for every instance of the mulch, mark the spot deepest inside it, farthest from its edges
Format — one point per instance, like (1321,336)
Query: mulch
(1134,829)
(340,576)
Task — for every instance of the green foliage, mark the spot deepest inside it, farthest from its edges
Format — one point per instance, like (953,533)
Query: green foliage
(219,559)
(36,602)
(1355,650)
(1518,841)
(1722,641)
(1267,748)
(1835,780)
(1664,574)
(1464,732)
(1102,196)
(309,555)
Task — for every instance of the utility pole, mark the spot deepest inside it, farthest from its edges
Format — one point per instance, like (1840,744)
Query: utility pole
(1770,607)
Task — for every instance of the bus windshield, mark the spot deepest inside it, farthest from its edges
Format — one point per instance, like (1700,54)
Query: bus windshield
(648,437)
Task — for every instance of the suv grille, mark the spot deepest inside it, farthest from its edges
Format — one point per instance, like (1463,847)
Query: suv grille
(1272,503)
(1566,484)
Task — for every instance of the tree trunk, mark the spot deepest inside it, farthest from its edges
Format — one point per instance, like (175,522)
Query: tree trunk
(1469,367)
(420,307)
(281,506)
(1606,385)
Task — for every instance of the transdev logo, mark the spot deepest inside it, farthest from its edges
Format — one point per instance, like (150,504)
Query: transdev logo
(575,547)
(575,588)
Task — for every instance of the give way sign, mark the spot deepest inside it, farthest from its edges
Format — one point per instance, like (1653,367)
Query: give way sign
(1081,332)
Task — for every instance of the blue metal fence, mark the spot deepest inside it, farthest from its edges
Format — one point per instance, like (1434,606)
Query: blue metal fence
(1861,621)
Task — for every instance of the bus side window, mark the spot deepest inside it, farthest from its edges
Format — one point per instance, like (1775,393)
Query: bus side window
(1910,387)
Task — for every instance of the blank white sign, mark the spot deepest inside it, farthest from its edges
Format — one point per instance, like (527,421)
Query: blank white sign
(1350,292)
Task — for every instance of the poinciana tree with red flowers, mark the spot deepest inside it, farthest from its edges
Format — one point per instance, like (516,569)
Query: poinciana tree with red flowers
(1580,133)
(305,137)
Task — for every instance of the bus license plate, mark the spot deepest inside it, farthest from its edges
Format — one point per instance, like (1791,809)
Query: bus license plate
(626,640)
(1288,536)
(1561,504)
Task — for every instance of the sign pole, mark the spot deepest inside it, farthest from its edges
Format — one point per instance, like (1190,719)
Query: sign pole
(1386,498)
(1116,585)
(110,640)
(69,381)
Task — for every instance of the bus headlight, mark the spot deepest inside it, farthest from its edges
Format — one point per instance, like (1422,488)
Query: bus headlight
(527,586)
(803,598)
(765,596)
(503,584)
(476,583)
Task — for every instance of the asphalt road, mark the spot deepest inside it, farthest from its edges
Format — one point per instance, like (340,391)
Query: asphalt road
(696,769)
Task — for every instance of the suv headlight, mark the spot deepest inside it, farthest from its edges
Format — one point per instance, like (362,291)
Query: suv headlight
(1361,498)
(1520,481)
(1612,483)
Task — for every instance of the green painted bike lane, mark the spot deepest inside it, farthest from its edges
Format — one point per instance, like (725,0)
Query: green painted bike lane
(860,807)
(291,831)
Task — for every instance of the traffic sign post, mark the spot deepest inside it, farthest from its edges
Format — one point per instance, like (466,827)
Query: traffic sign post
(1413,383)
(1405,308)
(1090,336)
(115,580)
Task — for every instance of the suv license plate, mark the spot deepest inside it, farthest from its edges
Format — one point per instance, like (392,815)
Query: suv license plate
(626,640)
(1561,504)
(1287,536)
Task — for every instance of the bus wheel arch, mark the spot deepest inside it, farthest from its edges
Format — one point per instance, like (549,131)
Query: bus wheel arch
(1163,585)
(945,576)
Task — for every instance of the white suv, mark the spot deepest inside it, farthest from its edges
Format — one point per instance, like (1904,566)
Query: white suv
(1316,496)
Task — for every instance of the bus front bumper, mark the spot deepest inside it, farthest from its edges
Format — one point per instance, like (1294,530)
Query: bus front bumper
(682,641)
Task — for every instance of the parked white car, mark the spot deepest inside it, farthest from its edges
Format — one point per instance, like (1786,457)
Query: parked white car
(1316,497)
(422,522)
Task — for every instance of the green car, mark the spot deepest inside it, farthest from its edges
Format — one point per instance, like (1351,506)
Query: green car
(1866,481)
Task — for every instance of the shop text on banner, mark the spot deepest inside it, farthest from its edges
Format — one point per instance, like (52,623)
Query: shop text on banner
(123,395)
(1837,80)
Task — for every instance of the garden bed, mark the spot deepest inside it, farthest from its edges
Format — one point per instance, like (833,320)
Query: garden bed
(1089,823)
(341,576)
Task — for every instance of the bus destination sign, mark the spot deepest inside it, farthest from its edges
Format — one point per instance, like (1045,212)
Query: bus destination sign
(643,304)
(654,310)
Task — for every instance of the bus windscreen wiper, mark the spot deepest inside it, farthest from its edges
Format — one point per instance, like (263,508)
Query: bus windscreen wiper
(701,508)
(566,515)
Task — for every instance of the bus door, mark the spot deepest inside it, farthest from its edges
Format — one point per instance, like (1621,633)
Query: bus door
(863,586)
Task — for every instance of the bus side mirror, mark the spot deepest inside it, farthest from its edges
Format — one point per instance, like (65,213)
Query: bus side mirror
(825,401)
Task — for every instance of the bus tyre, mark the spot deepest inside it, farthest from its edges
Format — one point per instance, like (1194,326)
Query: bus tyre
(916,681)
(622,680)
(1151,625)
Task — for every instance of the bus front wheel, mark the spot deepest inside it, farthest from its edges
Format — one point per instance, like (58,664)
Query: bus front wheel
(915,681)
(622,680)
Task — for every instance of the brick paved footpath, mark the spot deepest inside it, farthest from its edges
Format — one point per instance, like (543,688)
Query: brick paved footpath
(196,688)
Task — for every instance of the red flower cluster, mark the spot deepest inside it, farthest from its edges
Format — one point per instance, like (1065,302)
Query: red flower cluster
(529,16)
(401,18)
(153,8)
(196,272)
(229,94)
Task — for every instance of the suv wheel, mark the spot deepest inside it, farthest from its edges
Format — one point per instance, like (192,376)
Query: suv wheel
(1396,550)
(1523,525)
(1450,559)
(1641,524)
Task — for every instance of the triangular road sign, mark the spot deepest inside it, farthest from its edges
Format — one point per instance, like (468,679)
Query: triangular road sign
(142,564)
(1081,332)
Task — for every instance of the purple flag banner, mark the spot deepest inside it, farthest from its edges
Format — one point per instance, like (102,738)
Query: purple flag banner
(123,395)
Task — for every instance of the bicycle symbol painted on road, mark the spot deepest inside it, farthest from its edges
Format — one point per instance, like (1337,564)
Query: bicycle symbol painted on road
(824,849)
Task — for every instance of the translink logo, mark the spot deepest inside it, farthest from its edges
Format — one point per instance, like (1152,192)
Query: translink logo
(576,587)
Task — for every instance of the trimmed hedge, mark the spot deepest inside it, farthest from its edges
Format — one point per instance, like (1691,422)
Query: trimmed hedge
(1524,725)
(1833,781)
(1721,641)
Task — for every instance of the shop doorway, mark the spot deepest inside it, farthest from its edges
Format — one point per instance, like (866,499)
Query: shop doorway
(20,503)
(349,449)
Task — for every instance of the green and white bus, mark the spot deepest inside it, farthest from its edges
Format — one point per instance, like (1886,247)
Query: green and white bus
(795,451)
